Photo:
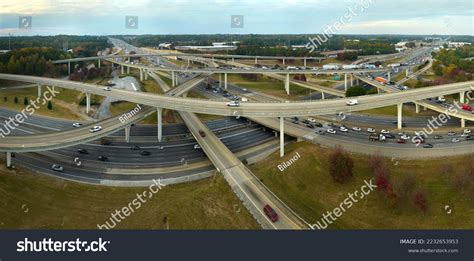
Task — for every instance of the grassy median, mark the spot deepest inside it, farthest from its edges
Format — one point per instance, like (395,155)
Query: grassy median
(36,201)
(307,187)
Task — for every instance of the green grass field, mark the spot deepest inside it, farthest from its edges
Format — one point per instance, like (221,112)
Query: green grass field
(32,201)
(308,189)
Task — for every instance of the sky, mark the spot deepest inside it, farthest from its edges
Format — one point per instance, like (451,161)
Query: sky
(107,17)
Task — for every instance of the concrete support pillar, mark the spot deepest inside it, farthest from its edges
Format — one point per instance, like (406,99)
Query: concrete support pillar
(389,76)
(141,75)
(68,68)
(158,60)
(417,108)
(173,83)
(98,63)
(146,74)
(407,72)
(304,62)
(212,58)
(283,61)
(233,59)
(159,112)
(287,84)
(461,97)
(256,60)
(188,62)
(220,80)
(322,96)
(88,102)
(121,69)
(9,160)
(225,81)
(399,115)
(352,80)
(39,90)
(128,59)
(345,82)
(282,137)
(128,69)
(463,123)
(127,134)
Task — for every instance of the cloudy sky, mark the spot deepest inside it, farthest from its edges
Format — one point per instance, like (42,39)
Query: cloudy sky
(102,17)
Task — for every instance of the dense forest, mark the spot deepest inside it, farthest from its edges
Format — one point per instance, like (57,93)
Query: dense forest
(33,55)
(452,64)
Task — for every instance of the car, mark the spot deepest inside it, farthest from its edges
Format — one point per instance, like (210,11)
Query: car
(136,147)
(202,134)
(405,137)
(428,145)
(145,153)
(76,125)
(356,129)
(233,104)
(244,90)
(107,89)
(312,120)
(352,102)
(451,133)
(396,122)
(309,125)
(196,146)
(82,151)
(343,129)
(95,129)
(103,158)
(438,137)
(389,136)
(160,147)
(467,131)
(469,137)
(401,141)
(332,131)
(384,131)
(270,213)
(455,140)
(317,124)
(57,167)
(370,130)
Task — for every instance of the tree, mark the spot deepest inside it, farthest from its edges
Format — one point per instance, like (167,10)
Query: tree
(421,201)
(341,165)
(15,100)
(50,105)
(355,91)
(25,101)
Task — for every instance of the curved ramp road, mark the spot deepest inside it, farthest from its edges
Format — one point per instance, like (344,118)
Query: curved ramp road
(63,139)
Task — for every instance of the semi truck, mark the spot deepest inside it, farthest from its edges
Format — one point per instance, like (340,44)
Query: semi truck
(331,66)
(350,66)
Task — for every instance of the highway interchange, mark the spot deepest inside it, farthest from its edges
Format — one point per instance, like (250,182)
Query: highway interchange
(41,141)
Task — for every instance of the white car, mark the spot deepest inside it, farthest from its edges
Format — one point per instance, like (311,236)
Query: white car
(161,147)
(455,140)
(76,125)
(465,135)
(451,133)
(352,102)
(196,146)
(467,131)
(356,129)
(331,131)
(95,129)
(57,167)
(371,130)
(385,132)
(405,137)
(107,89)
(343,129)
(233,104)
(312,120)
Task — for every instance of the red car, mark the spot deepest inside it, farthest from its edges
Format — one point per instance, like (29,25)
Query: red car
(270,213)
(401,141)
(466,107)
